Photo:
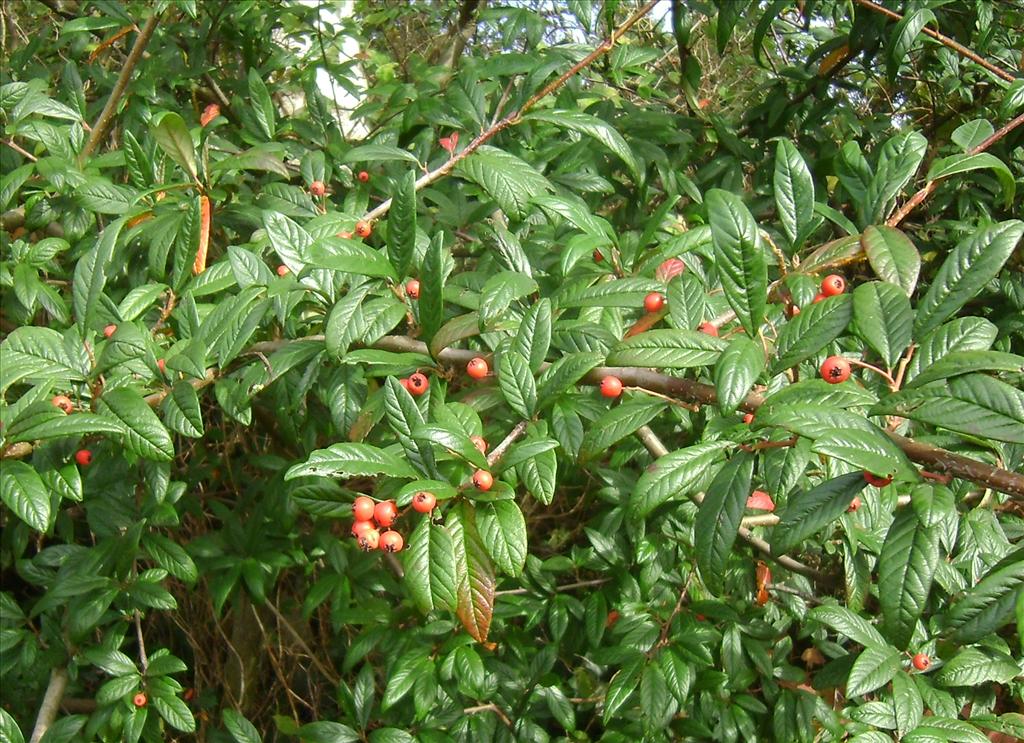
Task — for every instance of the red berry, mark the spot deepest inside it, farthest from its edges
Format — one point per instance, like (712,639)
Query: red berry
(748,418)
(598,257)
(709,328)
(363,176)
(362,508)
(161,364)
(363,229)
(63,402)
(483,480)
(833,284)
(878,482)
(385,513)
(282,270)
(412,289)
(109,330)
(669,269)
(369,540)
(612,620)
(654,302)
(83,457)
(139,700)
(405,383)
(480,443)
(359,527)
(391,541)
(922,662)
(855,505)
(477,368)
(423,502)
(836,369)
(611,386)
(418,384)
(818,298)
(760,501)
(317,188)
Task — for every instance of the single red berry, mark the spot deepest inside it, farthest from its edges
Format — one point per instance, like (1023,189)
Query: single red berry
(423,502)
(363,176)
(412,289)
(613,618)
(63,402)
(363,229)
(418,384)
(748,418)
(362,508)
(369,540)
(139,700)
(391,541)
(405,383)
(483,480)
(760,501)
(161,364)
(282,270)
(818,298)
(855,505)
(836,369)
(480,443)
(922,662)
(654,302)
(709,328)
(598,256)
(611,386)
(477,368)
(833,284)
(317,188)
(385,513)
(669,269)
(878,482)
(83,457)
(359,527)
(109,330)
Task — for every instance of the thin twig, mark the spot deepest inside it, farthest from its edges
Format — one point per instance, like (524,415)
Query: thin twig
(327,673)
(499,451)
(143,658)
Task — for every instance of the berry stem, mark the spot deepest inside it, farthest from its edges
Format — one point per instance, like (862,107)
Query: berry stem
(882,373)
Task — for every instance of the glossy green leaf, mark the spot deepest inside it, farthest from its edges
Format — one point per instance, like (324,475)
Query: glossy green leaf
(593,127)
(739,257)
(621,687)
(23,491)
(957,363)
(239,727)
(907,702)
(533,338)
(883,318)
(806,513)
(91,275)
(404,416)
(171,134)
(432,280)
(989,605)
(961,334)
(667,349)
(718,519)
(954,164)
(906,568)
(503,531)
(675,475)
(972,666)
(509,180)
(517,384)
(370,153)
(617,424)
(262,105)
(867,450)
(182,412)
(350,256)
(351,460)
(874,668)
(430,572)
(144,434)
(402,223)
(454,441)
(736,370)
(809,332)
(794,193)
(849,624)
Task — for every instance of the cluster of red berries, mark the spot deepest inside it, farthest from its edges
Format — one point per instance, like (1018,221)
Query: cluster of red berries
(416,384)
(370,517)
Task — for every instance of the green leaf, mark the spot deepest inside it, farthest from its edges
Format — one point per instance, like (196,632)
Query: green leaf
(503,531)
(947,166)
(474,572)
(933,504)
(848,623)
(171,134)
(402,223)
(170,556)
(42,421)
(327,732)
(807,512)
(685,299)
(454,441)
(239,727)
(989,605)
(883,318)
(174,711)
(948,729)
(961,334)
(656,703)
(626,293)
(898,160)
(351,460)
(510,181)
(23,491)
(430,572)
(969,267)
(892,256)
(874,668)
(815,327)
(577,213)
(113,662)
(457,329)
(903,37)
(972,667)
(350,256)
(565,372)
(36,355)
(431,302)
(622,686)
(906,567)
(538,473)
(863,449)
(500,291)
(973,404)
(97,194)
(345,321)
(794,193)
(533,338)
(268,157)
(144,434)
(182,411)
(617,424)
(262,105)
(290,241)
(91,276)
(677,474)
(957,363)
(592,127)
(371,153)
(907,703)
(739,258)
(517,383)
(403,415)
(737,369)
(718,519)
(662,349)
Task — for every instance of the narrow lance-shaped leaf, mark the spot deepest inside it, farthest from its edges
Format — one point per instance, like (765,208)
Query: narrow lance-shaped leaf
(906,567)
(402,223)
(737,369)
(474,572)
(794,192)
(739,258)
(718,520)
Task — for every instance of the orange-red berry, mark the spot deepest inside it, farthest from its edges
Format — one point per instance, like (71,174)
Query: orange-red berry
(317,188)
(391,541)
(760,500)
(358,527)
(63,402)
(708,328)
(424,502)
(480,443)
(818,298)
(878,482)
(855,505)
(369,540)
(109,330)
(385,513)
(477,368)
(654,302)
(748,418)
(611,386)
(363,229)
(83,457)
(598,256)
(836,369)
(282,270)
(412,289)
(833,284)
(418,384)
(161,364)
(363,176)
(139,700)
(483,480)
(362,508)
(922,662)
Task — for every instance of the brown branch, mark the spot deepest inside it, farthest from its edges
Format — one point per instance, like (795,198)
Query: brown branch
(51,703)
(499,451)
(956,46)
(106,117)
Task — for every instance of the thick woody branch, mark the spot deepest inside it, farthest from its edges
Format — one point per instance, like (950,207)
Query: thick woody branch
(51,703)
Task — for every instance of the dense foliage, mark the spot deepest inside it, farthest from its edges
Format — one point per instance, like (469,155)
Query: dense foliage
(722,426)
